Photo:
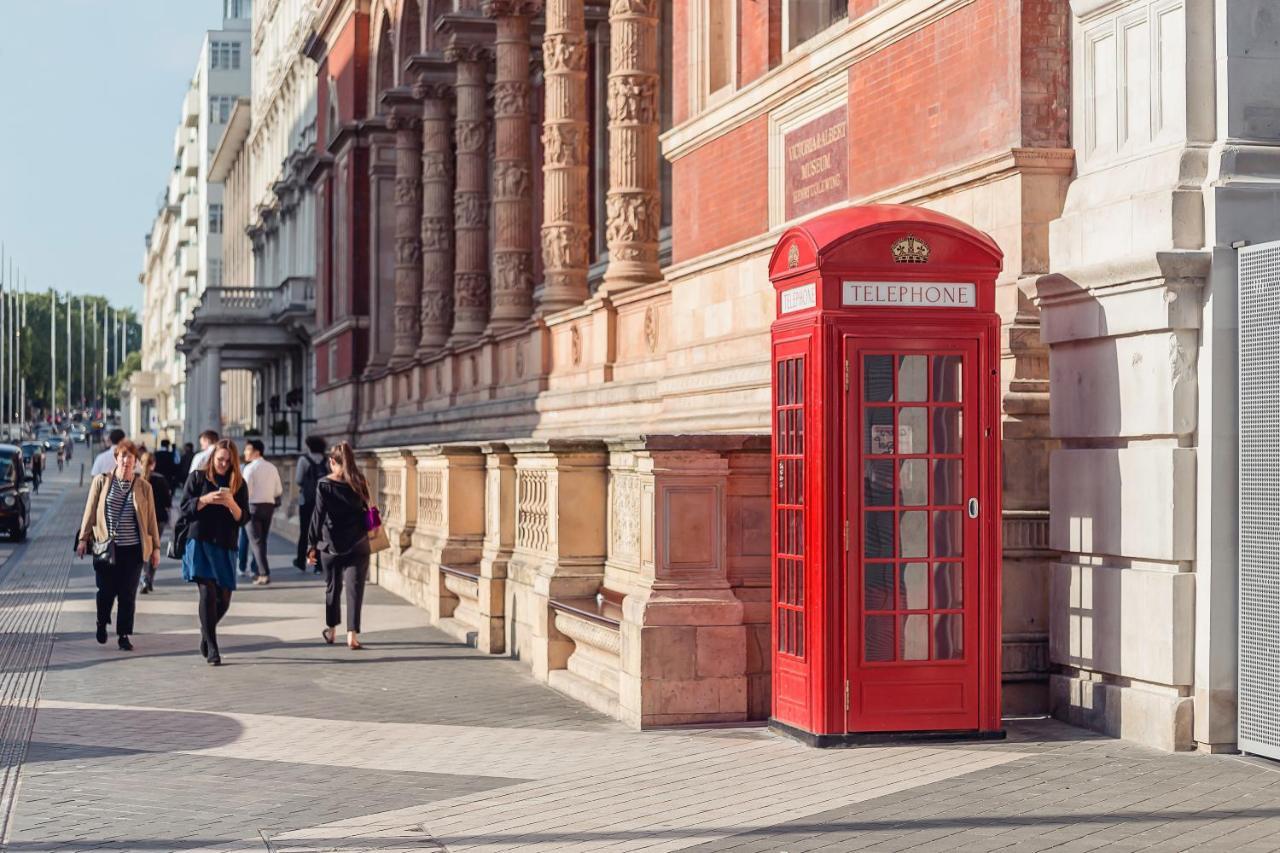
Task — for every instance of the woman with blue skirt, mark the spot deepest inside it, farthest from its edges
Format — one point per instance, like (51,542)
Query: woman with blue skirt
(215,505)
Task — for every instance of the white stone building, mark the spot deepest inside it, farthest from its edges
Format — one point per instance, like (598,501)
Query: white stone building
(221,78)
(249,334)
(1177,140)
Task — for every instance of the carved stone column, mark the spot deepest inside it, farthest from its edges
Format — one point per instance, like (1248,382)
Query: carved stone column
(470,211)
(435,92)
(512,184)
(566,230)
(405,120)
(633,208)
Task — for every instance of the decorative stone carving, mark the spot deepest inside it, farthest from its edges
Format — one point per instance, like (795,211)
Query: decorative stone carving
(470,290)
(431,500)
(625,518)
(510,98)
(651,329)
(533,514)
(510,181)
(564,145)
(469,210)
(575,345)
(633,210)
(632,224)
(566,227)
(512,280)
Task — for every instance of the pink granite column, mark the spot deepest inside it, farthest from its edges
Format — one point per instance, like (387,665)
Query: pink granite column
(470,208)
(633,208)
(512,166)
(566,229)
(405,121)
(437,204)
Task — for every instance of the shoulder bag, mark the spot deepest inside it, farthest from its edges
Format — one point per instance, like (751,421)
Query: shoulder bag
(378,539)
(105,552)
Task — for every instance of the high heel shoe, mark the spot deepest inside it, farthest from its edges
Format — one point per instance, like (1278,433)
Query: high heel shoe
(214,658)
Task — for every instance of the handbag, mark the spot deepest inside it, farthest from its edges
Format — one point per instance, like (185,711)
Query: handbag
(105,552)
(378,540)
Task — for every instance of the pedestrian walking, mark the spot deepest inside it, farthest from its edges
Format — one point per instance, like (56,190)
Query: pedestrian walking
(37,469)
(338,539)
(119,526)
(105,461)
(166,463)
(215,505)
(163,499)
(311,469)
(184,466)
(207,440)
(265,489)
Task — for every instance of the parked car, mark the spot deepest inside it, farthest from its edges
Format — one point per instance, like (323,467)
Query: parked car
(15,494)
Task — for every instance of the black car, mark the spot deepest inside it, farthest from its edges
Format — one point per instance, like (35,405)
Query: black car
(29,451)
(15,494)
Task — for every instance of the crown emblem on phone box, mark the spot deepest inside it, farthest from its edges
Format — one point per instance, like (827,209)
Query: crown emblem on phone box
(911,250)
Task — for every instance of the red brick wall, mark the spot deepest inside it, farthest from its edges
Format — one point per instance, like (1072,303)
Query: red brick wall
(679,62)
(721,191)
(1046,74)
(348,64)
(759,38)
(940,97)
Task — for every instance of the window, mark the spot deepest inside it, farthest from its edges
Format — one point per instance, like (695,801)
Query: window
(215,273)
(804,19)
(220,108)
(215,219)
(712,52)
(235,8)
(224,55)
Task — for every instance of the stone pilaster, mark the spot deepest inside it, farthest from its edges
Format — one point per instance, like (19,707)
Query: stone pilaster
(405,121)
(470,211)
(448,530)
(499,539)
(512,167)
(566,230)
(433,86)
(559,549)
(633,208)
(676,531)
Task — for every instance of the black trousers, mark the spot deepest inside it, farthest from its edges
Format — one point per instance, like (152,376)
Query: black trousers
(349,570)
(259,529)
(304,524)
(118,585)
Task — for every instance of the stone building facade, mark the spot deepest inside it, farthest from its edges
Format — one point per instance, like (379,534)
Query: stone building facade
(543,312)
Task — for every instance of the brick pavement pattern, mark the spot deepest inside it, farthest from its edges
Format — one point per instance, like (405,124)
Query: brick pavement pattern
(420,744)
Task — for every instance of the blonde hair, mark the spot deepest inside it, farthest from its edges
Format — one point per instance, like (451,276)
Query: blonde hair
(147,462)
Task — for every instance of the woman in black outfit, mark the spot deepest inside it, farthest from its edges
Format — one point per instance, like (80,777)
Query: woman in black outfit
(215,505)
(339,537)
(163,501)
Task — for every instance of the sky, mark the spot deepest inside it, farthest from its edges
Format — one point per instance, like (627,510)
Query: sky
(90,94)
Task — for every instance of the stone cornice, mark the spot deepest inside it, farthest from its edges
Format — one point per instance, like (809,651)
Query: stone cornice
(831,54)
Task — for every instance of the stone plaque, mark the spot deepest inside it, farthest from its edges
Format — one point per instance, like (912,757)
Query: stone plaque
(815,163)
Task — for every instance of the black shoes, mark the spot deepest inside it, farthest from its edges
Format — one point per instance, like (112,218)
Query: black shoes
(125,645)
(102,633)
(214,658)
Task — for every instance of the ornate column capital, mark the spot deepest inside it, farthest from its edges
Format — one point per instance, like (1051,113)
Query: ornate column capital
(462,49)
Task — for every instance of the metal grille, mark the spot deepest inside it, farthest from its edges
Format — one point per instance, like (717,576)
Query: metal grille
(1259,686)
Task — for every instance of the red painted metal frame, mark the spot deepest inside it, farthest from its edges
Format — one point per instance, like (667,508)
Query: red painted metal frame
(809,693)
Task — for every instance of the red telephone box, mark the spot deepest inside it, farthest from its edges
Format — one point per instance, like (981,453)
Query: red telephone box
(886,448)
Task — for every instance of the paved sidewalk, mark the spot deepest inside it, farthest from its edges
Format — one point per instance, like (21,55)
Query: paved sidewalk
(418,743)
